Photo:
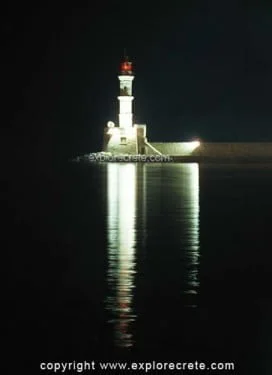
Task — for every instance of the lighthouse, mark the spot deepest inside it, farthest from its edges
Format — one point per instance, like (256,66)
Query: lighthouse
(125,98)
(126,138)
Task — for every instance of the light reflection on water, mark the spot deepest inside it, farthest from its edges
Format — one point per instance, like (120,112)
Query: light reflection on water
(191,197)
(121,190)
(133,193)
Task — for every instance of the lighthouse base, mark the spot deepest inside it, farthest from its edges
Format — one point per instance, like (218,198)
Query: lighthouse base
(125,141)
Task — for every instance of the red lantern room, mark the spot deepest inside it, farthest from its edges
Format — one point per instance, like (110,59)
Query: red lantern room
(126,68)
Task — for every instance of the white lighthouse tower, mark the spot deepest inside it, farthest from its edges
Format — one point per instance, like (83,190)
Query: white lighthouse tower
(125,98)
(127,138)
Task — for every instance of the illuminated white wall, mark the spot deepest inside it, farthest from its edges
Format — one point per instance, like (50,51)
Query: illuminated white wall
(125,120)
(121,190)
(114,143)
(177,148)
(125,104)
(125,111)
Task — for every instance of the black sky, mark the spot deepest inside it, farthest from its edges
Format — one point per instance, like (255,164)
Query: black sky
(203,69)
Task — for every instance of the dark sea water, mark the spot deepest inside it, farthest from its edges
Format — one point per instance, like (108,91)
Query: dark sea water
(143,262)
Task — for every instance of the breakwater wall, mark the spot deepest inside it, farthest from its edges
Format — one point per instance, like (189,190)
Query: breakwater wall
(213,151)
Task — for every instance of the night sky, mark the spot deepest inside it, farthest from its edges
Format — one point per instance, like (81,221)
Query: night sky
(203,69)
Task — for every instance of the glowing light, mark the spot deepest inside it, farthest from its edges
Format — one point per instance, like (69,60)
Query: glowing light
(126,66)
(195,144)
(110,124)
(189,147)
